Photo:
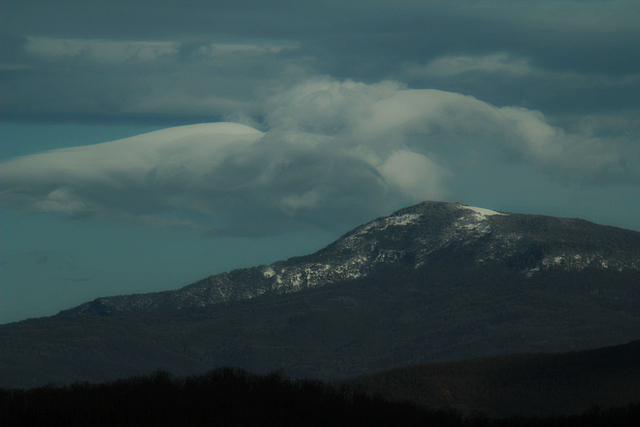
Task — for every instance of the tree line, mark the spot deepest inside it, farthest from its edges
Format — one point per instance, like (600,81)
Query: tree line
(234,397)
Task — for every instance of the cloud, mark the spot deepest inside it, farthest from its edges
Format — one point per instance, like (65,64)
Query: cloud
(550,147)
(325,105)
(180,80)
(416,175)
(452,65)
(187,63)
(113,52)
(334,154)
(507,79)
(436,123)
(118,52)
(221,178)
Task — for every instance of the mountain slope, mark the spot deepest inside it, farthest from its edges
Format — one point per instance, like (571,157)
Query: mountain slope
(336,331)
(408,239)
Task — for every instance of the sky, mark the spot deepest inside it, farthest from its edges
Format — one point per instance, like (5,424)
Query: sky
(146,145)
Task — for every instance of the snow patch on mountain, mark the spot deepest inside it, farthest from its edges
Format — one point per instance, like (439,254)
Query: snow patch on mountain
(382,224)
(268,272)
(400,220)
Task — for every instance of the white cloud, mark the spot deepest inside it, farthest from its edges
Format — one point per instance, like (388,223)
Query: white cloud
(101,51)
(222,178)
(552,148)
(336,154)
(417,175)
(452,65)
(325,105)
(507,65)
(113,52)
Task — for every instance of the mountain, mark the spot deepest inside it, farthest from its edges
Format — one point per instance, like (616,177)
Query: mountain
(410,238)
(431,282)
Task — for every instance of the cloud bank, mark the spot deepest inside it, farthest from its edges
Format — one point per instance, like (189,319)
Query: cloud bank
(331,154)
(184,61)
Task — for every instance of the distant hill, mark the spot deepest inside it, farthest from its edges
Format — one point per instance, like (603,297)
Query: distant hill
(521,384)
(431,282)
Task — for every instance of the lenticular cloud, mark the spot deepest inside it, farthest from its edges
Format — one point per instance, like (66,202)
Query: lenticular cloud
(335,154)
(222,178)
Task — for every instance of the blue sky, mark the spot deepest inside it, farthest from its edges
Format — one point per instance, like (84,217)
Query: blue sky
(335,112)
